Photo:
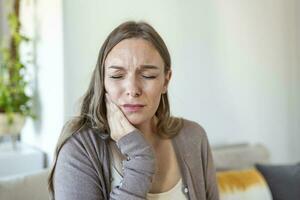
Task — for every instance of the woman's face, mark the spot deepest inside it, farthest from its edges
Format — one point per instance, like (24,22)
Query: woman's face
(134,75)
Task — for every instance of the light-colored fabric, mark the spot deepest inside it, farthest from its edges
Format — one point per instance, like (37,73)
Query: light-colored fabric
(239,156)
(29,187)
(82,169)
(243,184)
(174,193)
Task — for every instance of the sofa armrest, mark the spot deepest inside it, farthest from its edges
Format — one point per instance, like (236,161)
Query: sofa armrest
(27,187)
(239,156)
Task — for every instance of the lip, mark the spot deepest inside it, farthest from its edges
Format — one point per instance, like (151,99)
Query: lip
(133,107)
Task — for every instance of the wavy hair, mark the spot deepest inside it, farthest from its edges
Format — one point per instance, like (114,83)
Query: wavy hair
(93,108)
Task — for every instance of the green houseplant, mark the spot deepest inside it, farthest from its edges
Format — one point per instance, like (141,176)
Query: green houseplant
(15,103)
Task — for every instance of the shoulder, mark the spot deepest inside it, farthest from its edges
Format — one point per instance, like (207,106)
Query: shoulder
(81,157)
(84,143)
(192,140)
(84,152)
(89,135)
(193,129)
(192,135)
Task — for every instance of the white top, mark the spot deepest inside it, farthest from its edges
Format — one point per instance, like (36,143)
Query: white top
(174,193)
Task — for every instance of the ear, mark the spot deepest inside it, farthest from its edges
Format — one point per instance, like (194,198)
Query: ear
(167,80)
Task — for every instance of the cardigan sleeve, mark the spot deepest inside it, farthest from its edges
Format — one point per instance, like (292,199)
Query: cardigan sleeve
(76,177)
(138,168)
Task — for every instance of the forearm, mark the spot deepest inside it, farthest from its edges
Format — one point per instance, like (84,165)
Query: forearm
(138,168)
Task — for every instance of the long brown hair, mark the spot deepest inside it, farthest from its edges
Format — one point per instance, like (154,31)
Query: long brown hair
(93,109)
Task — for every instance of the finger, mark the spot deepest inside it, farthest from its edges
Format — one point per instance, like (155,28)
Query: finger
(108,112)
(108,109)
(121,118)
(112,115)
(118,114)
(116,109)
(106,98)
(118,121)
(112,106)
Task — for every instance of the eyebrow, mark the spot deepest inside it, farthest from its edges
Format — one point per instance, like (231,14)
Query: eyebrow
(143,67)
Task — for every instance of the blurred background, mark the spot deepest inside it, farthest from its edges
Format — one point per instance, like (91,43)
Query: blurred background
(236,65)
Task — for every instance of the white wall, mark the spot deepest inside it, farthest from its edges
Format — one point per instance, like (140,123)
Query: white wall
(295,91)
(256,55)
(42,20)
(235,65)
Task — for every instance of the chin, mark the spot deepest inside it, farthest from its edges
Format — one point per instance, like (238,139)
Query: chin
(136,119)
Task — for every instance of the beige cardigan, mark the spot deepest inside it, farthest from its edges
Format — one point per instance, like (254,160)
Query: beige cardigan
(83,171)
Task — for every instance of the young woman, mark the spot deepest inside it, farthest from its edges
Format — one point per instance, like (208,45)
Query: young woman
(125,144)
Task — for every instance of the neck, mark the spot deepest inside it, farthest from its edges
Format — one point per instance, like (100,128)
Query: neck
(149,130)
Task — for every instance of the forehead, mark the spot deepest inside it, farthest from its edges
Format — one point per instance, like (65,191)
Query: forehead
(133,52)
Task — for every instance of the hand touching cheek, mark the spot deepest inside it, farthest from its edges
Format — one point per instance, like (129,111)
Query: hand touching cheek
(118,123)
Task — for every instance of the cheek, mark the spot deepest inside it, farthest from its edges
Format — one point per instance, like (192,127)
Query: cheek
(155,95)
(113,90)
(155,88)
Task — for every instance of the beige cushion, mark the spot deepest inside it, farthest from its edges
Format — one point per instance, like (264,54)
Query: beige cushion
(28,187)
(239,156)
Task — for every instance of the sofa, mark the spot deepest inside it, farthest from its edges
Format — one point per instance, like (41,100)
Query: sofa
(244,172)
(27,187)
(237,176)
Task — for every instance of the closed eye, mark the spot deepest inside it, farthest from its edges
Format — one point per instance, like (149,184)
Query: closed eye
(115,77)
(149,77)
(146,77)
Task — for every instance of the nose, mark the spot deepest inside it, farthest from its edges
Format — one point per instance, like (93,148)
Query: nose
(133,88)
